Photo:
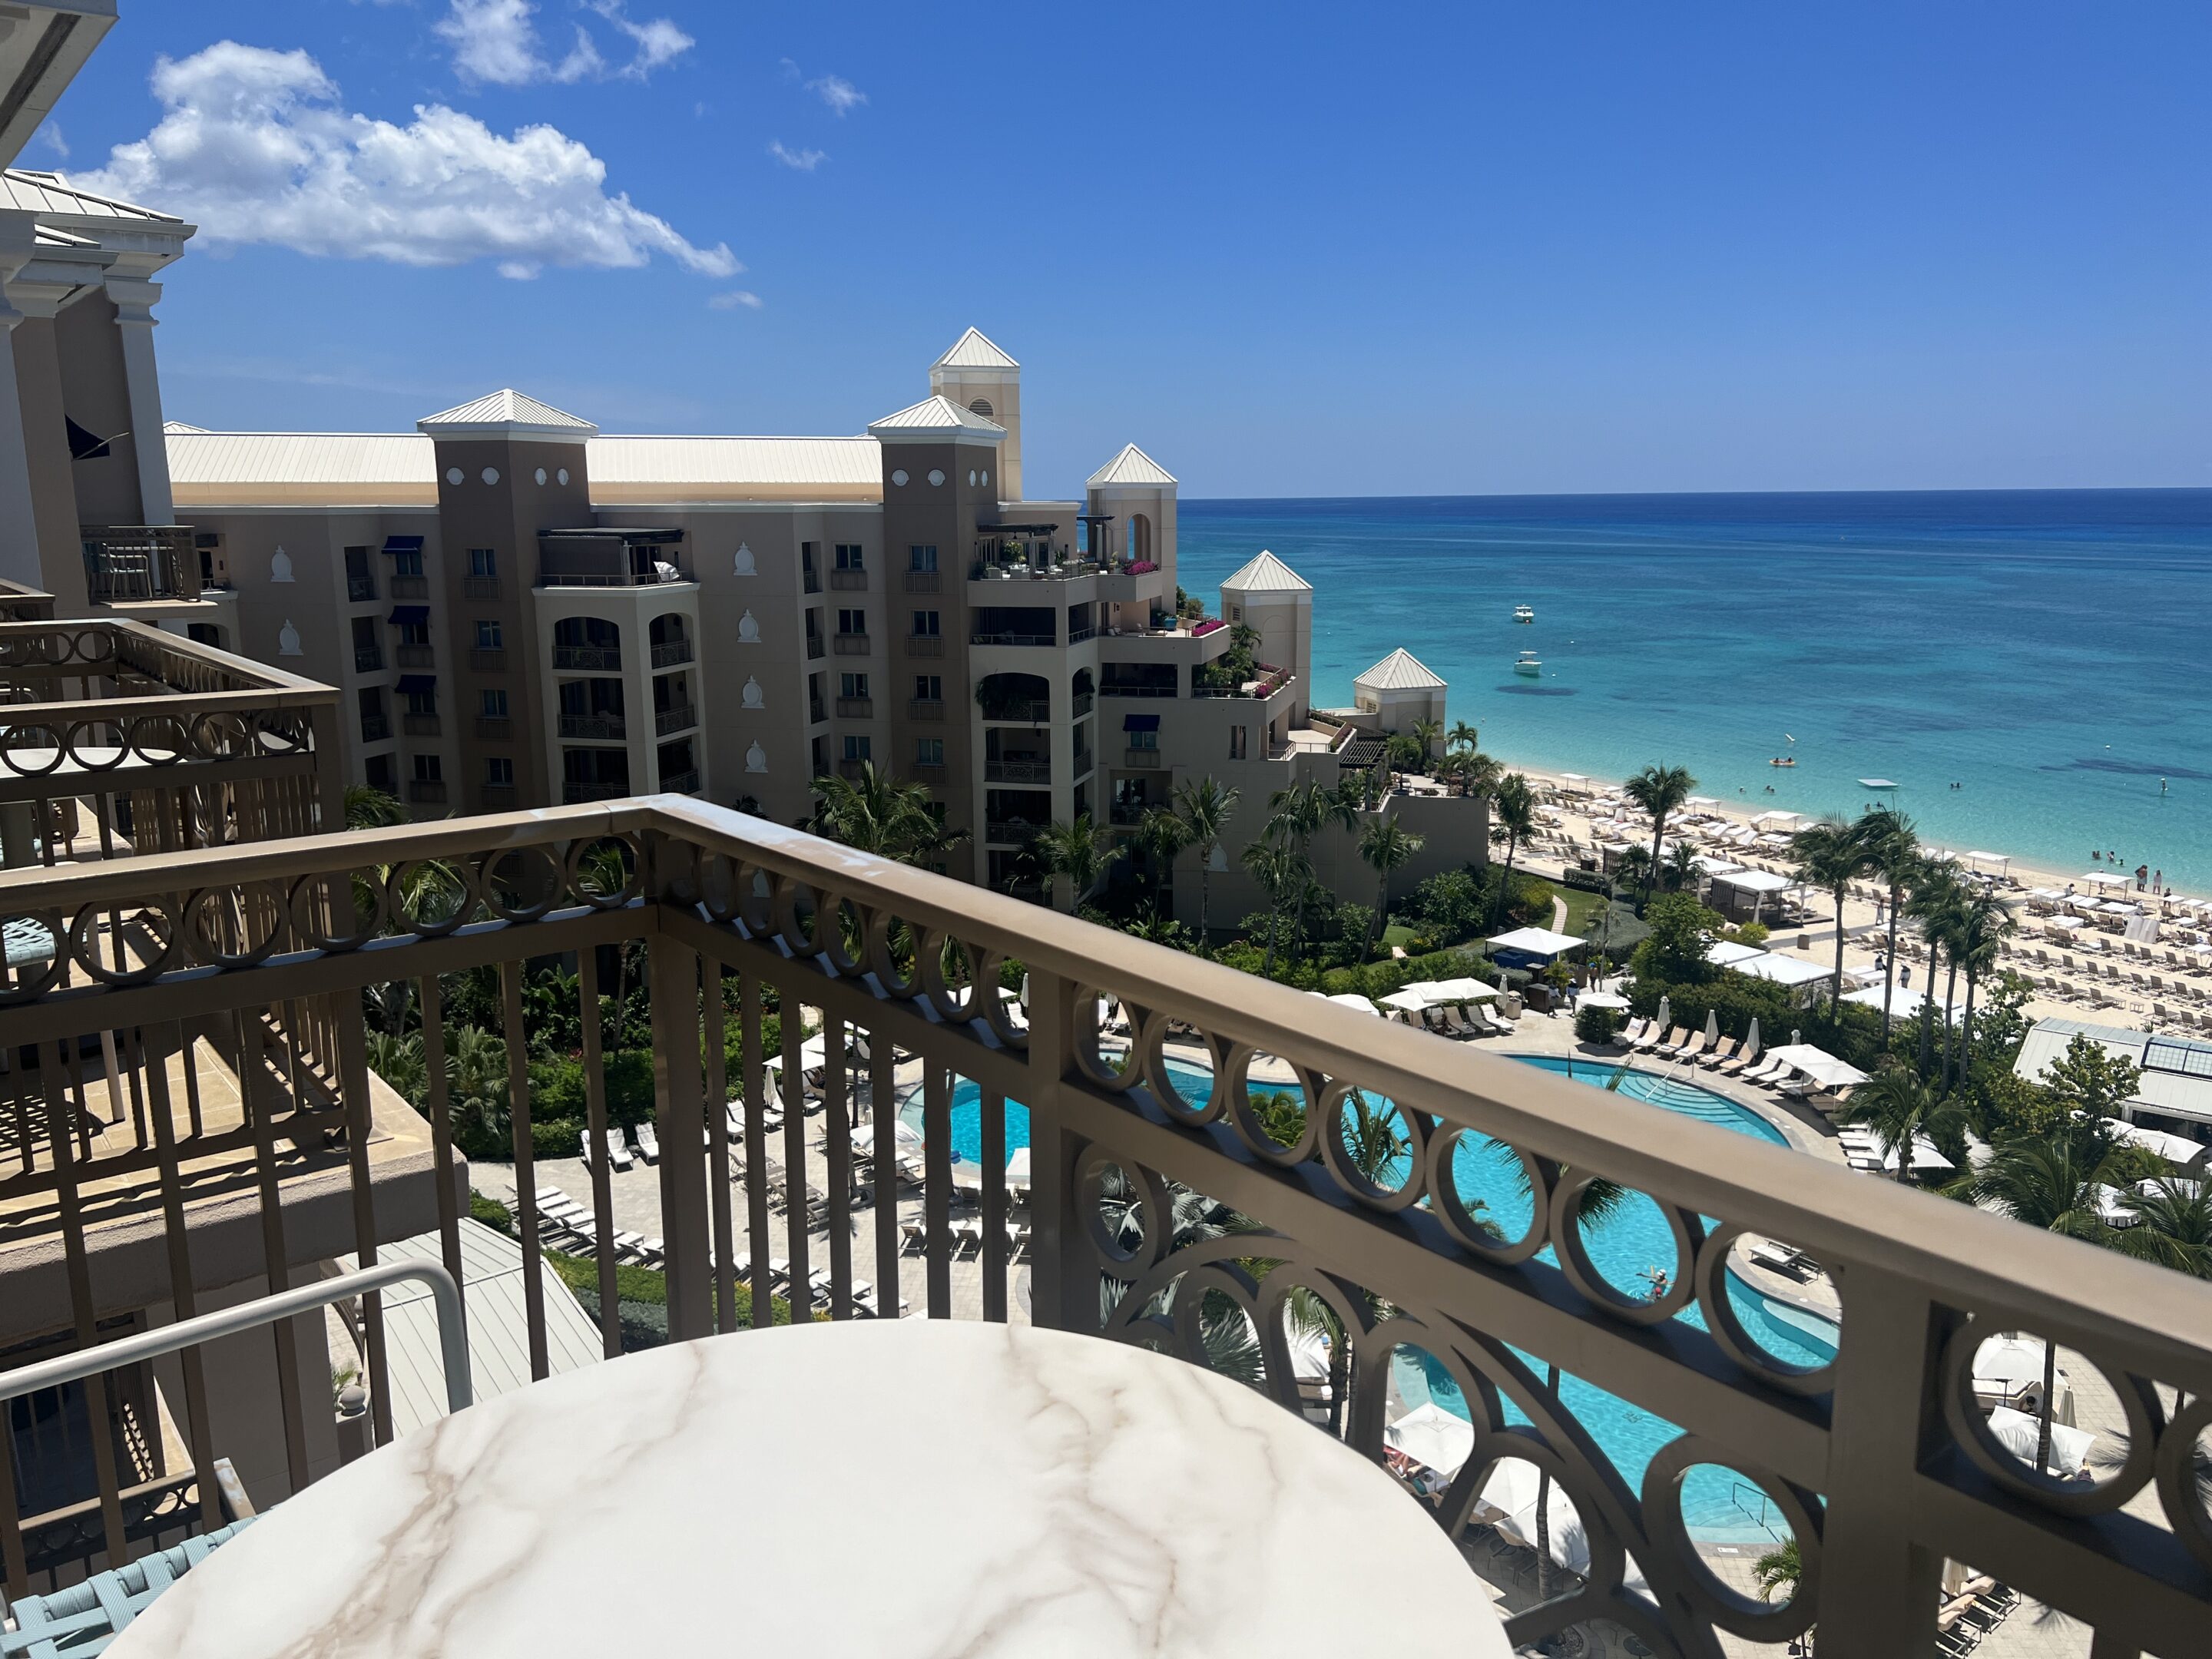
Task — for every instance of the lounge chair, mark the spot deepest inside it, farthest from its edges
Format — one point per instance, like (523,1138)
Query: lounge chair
(1767,1073)
(648,1143)
(1649,1040)
(1432,1019)
(653,1252)
(1739,1066)
(1498,1022)
(1675,1039)
(1632,1032)
(913,1235)
(617,1150)
(1727,1050)
(1457,1023)
(630,1244)
(1692,1048)
(1775,1258)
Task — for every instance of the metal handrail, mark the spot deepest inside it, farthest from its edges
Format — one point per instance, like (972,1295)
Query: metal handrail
(453,1334)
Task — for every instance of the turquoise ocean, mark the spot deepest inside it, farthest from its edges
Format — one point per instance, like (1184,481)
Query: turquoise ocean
(2048,650)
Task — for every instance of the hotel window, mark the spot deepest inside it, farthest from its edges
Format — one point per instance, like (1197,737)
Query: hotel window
(372,714)
(429,769)
(483,562)
(856,749)
(852,622)
(926,625)
(377,771)
(851,685)
(929,688)
(919,557)
(421,699)
(407,562)
(1236,742)
(849,556)
(1149,737)
(488,637)
(492,705)
(413,622)
(499,773)
(929,752)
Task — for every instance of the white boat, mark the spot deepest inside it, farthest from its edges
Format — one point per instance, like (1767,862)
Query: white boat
(1524,613)
(1528,664)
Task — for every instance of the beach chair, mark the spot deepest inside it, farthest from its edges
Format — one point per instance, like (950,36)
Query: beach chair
(913,1235)
(1649,1040)
(617,1150)
(1675,1039)
(652,1252)
(630,1244)
(1692,1048)
(1629,1033)
(648,1143)
(1768,1073)
(1489,1018)
(1725,1052)
(1739,1066)
(1457,1023)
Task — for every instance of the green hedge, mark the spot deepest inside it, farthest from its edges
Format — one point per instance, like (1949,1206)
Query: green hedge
(1379,979)
(647,1287)
(1597,1024)
(1589,881)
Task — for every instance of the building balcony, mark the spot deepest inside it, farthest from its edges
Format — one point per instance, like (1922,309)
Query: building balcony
(811,582)
(420,725)
(1010,832)
(815,649)
(495,728)
(1018,711)
(923,582)
(594,728)
(851,645)
(925,708)
(360,590)
(574,794)
(1038,770)
(128,564)
(856,709)
(1835,1403)
(925,645)
(368,659)
(588,659)
(1011,639)
(668,721)
(594,558)
(680,783)
(1127,815)
(1077,635)
(426,792)
(672,653)
(849,582)
(986,570)
(815,714)
(1138,691)
(409,587)
(1081,769)
(414,656)
(488,660)
(500,798)
(851,769)
(375,728)
(1081,705)
(480,588)
(1142,760)
(1270,681)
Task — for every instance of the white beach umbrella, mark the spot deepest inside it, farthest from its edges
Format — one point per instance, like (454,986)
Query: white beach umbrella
(1666,1012)
(1601,1000)
(1751,1040)
(2011,1361)
(1018,1169)
(1429,1434)
(2020,1434)
(1406,1000)
(1712,1026)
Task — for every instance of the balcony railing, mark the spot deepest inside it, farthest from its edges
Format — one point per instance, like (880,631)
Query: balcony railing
(856,709)
(1077,634)
(925,708)
(368,659)
(667,721)
(127,563)
(1188,1226)
(1136,691)
(1010,832)
(849,582)
(414,656)
(672,653)
(419,726)
(922,582)
(1081,705)
(1142,759)
(374,728)
(588,566)
(815,649)
(1018,711)
(480,588)
(426,792)
(680,783)
(594,728)
(572,791)
(979,638)
(360,590)
(588,659)
(989,570)
(495,728)
(851,645)
(409,587)
(812,582)
(488,660)
(1081,769)
(925,645)
(1124,814)
(1018,771)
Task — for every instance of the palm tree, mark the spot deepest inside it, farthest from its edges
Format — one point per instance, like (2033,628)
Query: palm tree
(1938,903)
(1160,832)
(1634,866)
(1428,734)
(1781,1568)
(1899,1108)
(1386,846)
(368,808)
(1205,808)
(1512,811)
(876,814)
(2172,1225)
(1081,851)
(1984,922)
(1893,857)
(1830,855)
(1658,790)
(1462,736)
(1296,816)
(1277,868)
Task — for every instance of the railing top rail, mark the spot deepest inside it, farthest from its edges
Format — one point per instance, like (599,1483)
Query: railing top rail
(254,677)
(2154,1317)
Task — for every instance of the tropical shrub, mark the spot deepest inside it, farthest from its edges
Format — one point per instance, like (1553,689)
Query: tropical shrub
(1597,1024)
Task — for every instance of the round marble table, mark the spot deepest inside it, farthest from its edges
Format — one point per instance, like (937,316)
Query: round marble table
(893,1488)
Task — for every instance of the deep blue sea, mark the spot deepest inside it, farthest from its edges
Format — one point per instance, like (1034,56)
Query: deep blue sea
(2050,651)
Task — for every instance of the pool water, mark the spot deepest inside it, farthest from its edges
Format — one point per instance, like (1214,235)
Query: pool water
(1624,1245)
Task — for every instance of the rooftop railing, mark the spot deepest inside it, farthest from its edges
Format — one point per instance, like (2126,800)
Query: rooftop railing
(1192,1226)
(129,563)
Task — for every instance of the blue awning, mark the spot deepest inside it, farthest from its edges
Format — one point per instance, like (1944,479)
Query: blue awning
(410,685)
(1140,722)
(409,613)
(402,544)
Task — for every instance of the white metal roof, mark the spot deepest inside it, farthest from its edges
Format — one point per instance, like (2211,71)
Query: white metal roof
(2176,1079)
(334,469)
(974,349)
(1401,671)
(936,416)
(1131,466)
(499,1332)
(505,413)
(699,469)
(50,192)
(1536,941)
(1268,575)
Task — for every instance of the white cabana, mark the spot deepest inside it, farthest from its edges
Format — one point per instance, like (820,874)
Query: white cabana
(2179,1149)
(1711,866)
(2003,861)
(1726,952)
(1905,1001)
(1510,1495)
(1700,800)
(1464,990)
(2020,1434)
(1926,1158)
(1823,1067)
(1430,1435)
(1776,820)
(1782,970)
(1601,1000)
(2108,878)
(1537,942)
(2064,923)
(1351,1000)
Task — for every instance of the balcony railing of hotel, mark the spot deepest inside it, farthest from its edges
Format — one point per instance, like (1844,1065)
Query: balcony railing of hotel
(815,649)
(409,587)
(495,728)
(856,709)
(421,725)
(414,656)
(427,792)
(925,708)
(979,638)
(488,660)
(1080,706)
(128,564)
(925,645)
(1065,570)
(851,645)
(1110,690)
(375,728)
(1010,832)
(672,653)
(480,588)
(588,659)
(20,602)
(594,728)
(1142,759)
(250,963)
(812,582)
(603,563)
(921,581)
(573,793)
(849,582)
(1081,769)
(682,783)
(1018,770)
(1271,680)
(121,737)
(360,590)
(368,659)
(1020,711)
(1127,814)
(682,717)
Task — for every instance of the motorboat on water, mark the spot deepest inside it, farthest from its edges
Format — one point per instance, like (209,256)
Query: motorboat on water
(1527,663)
(1782,760)
(1524,613)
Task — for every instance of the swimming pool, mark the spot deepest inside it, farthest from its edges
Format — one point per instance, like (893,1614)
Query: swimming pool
(1632,1238)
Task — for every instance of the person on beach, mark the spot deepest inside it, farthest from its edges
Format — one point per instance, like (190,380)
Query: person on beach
(2143,877)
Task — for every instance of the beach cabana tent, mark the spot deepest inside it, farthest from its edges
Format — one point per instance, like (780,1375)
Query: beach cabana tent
(1527,947)
(2108,878)
(1752,887)
(1463,990)
(1726,952)
(1429,1434)
(2180,1149)
(2020,1434)
(1905,1001)
(1925,1157)
(1776,820)
(1792,971)
(1409,999)
(1823,1067)
(1351,1000)
(2002,861)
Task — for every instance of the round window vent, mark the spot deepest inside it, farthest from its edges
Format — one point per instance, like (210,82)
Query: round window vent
(898,477)
(936,478)
(491,475)
(454,475)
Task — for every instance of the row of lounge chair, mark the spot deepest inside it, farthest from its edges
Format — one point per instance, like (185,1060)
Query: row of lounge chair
(564,1219)
(967,1238)
(1725,1058)
(820,1291)
(1476,1019)
(643,1143)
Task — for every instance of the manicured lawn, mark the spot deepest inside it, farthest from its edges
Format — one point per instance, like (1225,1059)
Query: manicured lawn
(1583,908)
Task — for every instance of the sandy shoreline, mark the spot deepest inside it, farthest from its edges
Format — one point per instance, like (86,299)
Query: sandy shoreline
(2028,873)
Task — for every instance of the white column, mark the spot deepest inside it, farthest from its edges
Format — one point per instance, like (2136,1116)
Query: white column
(18,524)
(135,300)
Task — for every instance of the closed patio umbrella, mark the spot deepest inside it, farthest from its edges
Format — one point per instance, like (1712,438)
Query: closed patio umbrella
(1751,1041)
(1666,1012)
(1712,1026)
(1017,1169)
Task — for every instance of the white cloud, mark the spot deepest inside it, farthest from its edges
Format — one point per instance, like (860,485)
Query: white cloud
(733,300)
(497,42)
(837,92)
(804,160)
(50,135)
(255,146)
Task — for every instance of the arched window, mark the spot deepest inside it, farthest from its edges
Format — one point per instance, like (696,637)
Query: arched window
(1140,537)
(982,406)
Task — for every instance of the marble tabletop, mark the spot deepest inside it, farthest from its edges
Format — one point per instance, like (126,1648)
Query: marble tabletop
(897,1489)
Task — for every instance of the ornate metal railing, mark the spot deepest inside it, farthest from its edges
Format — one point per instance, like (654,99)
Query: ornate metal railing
(1158,1215)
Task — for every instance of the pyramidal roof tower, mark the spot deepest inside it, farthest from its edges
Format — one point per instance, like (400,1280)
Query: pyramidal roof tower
(984,380)
(1274,601)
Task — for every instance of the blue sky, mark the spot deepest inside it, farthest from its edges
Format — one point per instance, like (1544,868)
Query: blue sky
(1292,250)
